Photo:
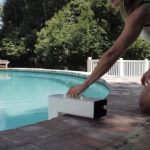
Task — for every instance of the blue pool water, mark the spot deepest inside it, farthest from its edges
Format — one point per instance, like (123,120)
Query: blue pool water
(24,96)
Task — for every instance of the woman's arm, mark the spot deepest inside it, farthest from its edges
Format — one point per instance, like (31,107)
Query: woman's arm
(133,26)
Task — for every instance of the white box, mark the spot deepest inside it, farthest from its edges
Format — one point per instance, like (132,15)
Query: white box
(88,107)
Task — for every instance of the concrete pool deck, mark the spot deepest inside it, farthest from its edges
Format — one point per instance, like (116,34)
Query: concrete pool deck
(124,127)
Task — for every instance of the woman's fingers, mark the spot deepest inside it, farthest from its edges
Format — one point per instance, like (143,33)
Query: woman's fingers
(145,78)
(73,95)
(75,91)
(72,92)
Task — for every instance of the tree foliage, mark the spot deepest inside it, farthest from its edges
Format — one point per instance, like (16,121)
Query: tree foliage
(75,33)
(139,50)
(21,21)
(1,11)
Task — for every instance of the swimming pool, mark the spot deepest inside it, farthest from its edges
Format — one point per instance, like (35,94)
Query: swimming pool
(24,94)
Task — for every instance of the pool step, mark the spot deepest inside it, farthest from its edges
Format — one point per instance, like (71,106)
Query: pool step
(86,107)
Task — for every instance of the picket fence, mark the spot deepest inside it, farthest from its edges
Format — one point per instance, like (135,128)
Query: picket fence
(122,67)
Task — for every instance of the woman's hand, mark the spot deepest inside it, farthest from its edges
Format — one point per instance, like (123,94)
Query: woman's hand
(75,91)
(145,78)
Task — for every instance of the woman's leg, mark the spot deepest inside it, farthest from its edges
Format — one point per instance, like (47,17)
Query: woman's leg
(144,99)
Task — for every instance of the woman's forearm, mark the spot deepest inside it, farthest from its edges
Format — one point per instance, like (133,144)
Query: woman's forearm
(105,63)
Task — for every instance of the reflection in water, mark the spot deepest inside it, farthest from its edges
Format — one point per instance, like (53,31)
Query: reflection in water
(11,122)
(4,76)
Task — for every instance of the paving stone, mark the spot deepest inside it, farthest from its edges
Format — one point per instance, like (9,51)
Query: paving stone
(117,105)
(112,127)
(27,147)
(138,139)
(5,145)
(9,133)
(145,139)
(83,140)
(56,143)
(22,140)
(119,91)
(134,110)
(120,120)
(126,112)
(136,90)
(77,120)
(56,125)
(65,123)
(119,97)
(100,134)
(136,146)
(17,137)
(139,117)
(38,131)
(136,117)
(31,128)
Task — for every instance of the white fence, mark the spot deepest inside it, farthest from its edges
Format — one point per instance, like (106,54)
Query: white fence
(122,67)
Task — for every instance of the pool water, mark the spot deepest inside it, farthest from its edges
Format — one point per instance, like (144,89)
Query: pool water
(24,96)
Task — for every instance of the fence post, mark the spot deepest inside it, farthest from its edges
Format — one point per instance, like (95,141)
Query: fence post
(146,65)
(89,64)
(121,67)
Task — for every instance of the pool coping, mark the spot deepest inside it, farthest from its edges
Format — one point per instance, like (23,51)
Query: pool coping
(79,74)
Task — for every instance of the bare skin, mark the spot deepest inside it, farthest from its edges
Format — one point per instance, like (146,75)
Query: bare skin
(144,99)
(133,27)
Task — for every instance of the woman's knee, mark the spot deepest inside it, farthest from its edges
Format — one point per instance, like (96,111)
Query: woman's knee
(144,103)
